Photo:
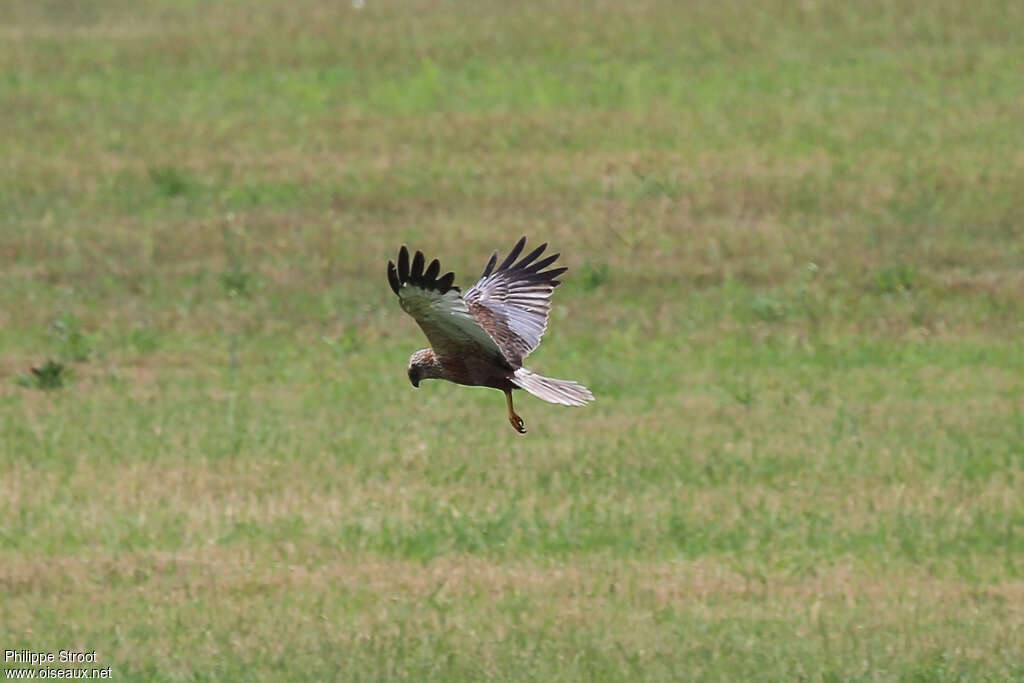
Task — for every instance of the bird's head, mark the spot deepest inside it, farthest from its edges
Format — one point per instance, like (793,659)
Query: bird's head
(423,365)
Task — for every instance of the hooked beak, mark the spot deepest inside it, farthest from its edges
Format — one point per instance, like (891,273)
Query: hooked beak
(414,379)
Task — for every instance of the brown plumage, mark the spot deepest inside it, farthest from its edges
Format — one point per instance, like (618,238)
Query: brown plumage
(482,338)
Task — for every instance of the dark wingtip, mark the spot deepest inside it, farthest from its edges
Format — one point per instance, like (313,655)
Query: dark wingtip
(432,270)
(403,264)
(393,277)
(542,264)
(490,265)
(444,283)
(415,274)
(529,258)
(514,254)
(417,266)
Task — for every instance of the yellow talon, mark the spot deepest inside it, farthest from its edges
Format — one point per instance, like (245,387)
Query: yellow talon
(516,421)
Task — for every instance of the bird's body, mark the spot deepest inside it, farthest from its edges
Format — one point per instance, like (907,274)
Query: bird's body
(466,370)
(482,338)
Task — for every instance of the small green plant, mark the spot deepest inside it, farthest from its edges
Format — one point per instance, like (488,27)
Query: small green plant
(741,390)
(236,280)
(766,308)
(145,339)
(50,376)
(894,279)
(595,275)
(73,344)
(169,181)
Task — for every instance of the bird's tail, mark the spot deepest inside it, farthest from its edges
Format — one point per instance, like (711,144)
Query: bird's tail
(552,390)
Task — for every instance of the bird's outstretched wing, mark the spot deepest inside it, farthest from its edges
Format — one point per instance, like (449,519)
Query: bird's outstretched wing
(439,309)
(512,302)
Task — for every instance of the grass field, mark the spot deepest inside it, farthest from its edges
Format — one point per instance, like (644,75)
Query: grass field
(796,240)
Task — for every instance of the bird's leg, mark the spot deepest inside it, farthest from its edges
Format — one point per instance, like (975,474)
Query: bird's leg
(517,422)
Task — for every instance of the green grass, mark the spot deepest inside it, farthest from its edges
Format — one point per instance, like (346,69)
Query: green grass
(796,250)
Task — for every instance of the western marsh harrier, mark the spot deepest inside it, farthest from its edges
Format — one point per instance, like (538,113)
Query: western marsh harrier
(482,338)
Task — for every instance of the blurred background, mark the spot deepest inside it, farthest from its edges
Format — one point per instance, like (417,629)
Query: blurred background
(794,233)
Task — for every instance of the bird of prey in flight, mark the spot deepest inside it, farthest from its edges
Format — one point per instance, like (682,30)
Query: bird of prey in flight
(481,338)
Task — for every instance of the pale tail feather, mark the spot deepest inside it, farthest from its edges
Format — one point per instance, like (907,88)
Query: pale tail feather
(552,390)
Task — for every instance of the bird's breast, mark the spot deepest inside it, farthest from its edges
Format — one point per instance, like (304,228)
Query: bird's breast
(475,372)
